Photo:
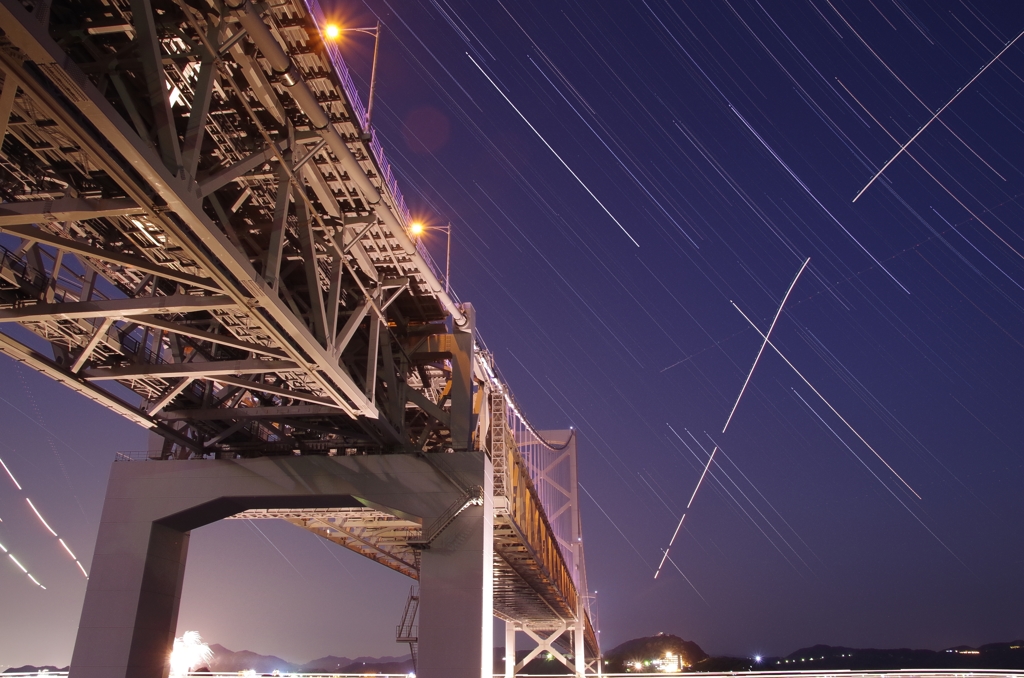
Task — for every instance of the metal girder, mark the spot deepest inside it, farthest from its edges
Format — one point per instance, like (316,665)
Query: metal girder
(364,544)
(195,370)
(94,340)
(37,361)
(234,428)
(275,390)
(222,339)
(222,413)
(148,46)
(421,401)
(351,324)
(239,169)
(320,186)
(178,303)
(193,142)
(307,248)
(369,532)
(64,209)
(542,645)
(128,261)
(217,254)
(168,395)
(7,95)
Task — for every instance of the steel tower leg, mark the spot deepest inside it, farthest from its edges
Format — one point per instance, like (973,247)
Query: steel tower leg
(457,594)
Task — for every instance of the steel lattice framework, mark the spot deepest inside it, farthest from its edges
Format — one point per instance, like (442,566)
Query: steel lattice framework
(204,236)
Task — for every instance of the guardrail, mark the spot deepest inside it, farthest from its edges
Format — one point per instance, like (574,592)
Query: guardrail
(128,455)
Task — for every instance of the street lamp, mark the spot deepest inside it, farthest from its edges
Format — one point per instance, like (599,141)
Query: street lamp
(333,31)
(418,228)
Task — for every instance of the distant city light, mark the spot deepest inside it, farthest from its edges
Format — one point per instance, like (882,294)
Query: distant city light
(757,658)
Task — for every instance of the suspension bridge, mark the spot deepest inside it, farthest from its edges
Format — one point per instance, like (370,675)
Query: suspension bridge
(202,233)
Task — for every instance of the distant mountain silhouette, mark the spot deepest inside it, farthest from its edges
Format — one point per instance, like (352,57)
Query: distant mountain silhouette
(820,657)
(32,669)
(229,661)
(652,647)
(817,657)
(990,656)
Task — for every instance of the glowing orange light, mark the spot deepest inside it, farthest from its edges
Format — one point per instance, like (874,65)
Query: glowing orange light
(332,31)
(416,228)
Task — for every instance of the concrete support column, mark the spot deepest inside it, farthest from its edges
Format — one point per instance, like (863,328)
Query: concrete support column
(510,650)
(456,630)
(131,603)
(130,613)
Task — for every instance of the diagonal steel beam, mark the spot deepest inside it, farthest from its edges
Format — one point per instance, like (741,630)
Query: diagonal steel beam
(64,209)
(224,413)
(275,390)
(168,395)
(424,403)
(307,247)
(238,169)
(149,47)
(234,428)
(222,339)
(7,96)
(542,645)
(93,342)
(351,325)
(128,261)
(40,363)
(195,370)
(191,151)
(178,303)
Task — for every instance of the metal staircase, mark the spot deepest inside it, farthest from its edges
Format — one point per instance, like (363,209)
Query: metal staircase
(408,630)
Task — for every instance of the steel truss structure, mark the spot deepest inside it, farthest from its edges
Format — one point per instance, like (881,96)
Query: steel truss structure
(203,235)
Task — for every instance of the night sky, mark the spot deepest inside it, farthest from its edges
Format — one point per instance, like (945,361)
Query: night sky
(677,156)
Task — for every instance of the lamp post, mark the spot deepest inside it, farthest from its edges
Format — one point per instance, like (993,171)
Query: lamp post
(334,31)
(417,229)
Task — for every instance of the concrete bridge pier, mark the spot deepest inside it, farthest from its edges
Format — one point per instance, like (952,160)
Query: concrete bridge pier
(131,605)
(457,597)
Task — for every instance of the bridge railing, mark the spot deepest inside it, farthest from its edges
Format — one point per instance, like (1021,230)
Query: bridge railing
(530,516)
(387,174)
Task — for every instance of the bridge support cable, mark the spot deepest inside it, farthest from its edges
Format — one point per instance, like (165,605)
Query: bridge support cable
(535,481)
